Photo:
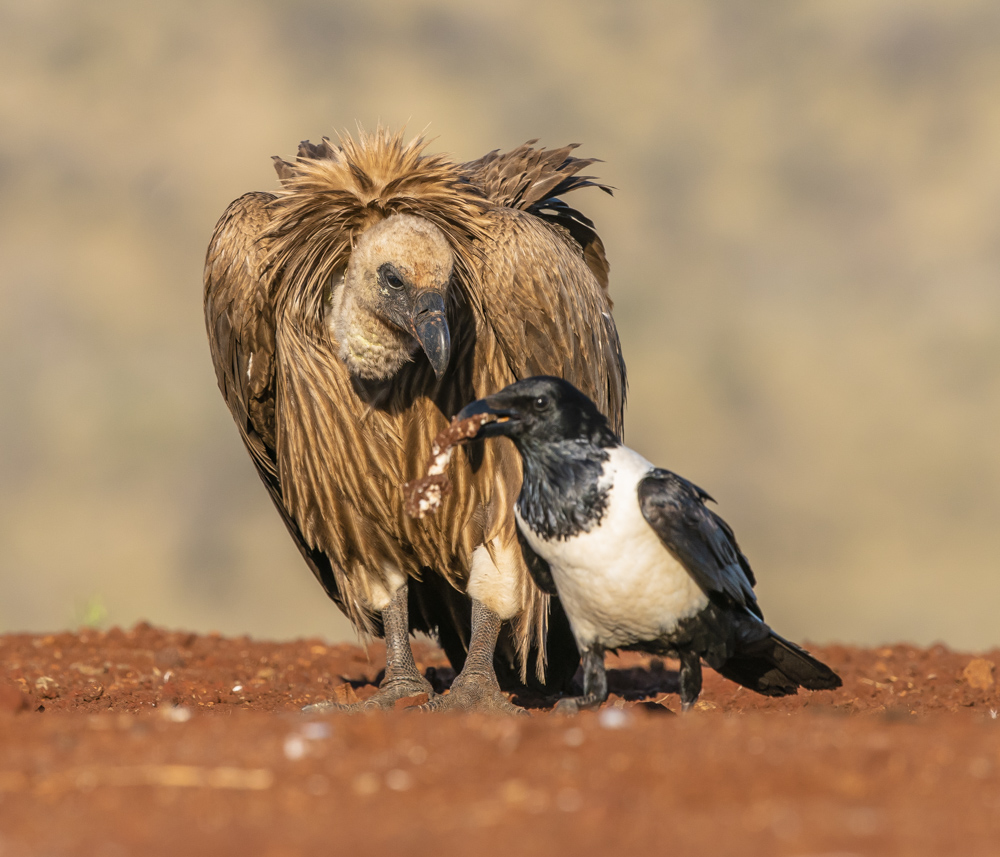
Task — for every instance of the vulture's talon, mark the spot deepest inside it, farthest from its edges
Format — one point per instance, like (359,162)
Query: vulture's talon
(400,688)
(474,692)
(383,700)
(321,707)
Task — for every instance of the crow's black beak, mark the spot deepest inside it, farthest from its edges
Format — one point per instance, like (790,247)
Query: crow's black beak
(504,418)
(429,325)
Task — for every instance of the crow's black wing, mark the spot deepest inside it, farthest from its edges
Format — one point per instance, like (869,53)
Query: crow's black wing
(698,538)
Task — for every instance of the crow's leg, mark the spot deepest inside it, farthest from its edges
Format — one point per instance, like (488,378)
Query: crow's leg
(476,687)
(595,683)
(690,679)
(402,678)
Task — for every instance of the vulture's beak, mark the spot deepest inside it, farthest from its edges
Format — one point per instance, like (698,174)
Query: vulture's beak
(429,325)
(504,418)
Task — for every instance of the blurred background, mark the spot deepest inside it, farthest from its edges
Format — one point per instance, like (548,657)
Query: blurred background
(805,250)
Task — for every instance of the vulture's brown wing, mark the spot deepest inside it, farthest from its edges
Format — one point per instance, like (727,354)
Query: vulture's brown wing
(534,180)
(545,276)
(548,312)
(241,338)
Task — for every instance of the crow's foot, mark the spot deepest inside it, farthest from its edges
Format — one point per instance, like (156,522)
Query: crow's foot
(690,678)
(576,704)
(595,683)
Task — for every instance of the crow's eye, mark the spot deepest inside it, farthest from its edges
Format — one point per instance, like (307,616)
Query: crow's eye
(541,403)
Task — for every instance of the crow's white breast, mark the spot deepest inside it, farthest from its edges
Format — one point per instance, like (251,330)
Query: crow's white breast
(618,583)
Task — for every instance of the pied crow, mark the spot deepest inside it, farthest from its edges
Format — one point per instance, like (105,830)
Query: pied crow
(637,559)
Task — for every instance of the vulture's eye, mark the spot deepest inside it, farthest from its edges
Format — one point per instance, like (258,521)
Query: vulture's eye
(390,277)
(541,403)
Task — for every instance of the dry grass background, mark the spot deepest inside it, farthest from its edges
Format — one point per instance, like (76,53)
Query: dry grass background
(805,248)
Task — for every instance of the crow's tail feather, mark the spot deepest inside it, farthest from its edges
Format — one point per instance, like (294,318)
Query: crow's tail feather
(773,666)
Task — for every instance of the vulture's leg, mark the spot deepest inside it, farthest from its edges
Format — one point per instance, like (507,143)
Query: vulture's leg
(402,678)
(595,683)
(476,687)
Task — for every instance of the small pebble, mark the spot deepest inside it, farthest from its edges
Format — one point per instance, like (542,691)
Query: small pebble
(295,747)
(398,780)
(612,718)
(515,792)
(365,785)
(46,687)
(316,730)
(176,714)
(89,693)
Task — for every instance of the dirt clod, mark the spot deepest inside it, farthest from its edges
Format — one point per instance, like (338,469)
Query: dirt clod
(12,700)
(46,687)
(345,694)
(411,701)
(979,673)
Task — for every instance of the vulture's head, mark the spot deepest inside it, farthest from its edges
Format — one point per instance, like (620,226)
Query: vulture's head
(390,302)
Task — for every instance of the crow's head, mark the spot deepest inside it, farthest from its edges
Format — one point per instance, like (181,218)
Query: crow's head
(542,410)
(390,302)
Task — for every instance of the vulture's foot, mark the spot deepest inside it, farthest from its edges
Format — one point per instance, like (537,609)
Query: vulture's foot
(402,678)
(384,699)
(476,687)
(474,692)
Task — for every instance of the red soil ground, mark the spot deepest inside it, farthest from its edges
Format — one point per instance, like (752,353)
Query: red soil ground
(146,742)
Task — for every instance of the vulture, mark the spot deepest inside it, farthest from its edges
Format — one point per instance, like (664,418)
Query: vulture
(637,558)
(350,315)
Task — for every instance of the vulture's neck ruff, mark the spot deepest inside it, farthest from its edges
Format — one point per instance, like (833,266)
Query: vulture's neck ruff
(370,240)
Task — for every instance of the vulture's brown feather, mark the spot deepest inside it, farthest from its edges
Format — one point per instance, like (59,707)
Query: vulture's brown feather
(527,295)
